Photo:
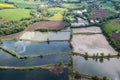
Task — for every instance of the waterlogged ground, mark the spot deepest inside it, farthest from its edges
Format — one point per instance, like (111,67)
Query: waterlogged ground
(37,74)
(8,60)
(83,42)
(109,68)
(33,48)
(45,36)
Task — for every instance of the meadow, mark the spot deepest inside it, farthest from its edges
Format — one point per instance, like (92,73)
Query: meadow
(111,26)
(15,14)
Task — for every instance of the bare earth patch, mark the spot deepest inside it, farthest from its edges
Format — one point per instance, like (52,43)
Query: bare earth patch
(55,24)
(92,29)
(39,36)
(92,44)
(12,36)
(2,21)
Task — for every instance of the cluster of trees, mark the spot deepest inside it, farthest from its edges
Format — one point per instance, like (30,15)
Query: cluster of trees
(16,26)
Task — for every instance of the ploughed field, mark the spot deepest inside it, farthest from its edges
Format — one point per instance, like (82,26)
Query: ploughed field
(91,43)
(55,24)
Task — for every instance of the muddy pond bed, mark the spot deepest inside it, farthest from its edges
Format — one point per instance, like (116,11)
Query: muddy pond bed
(109,68)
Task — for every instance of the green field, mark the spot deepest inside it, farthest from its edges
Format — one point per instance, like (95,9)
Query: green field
(25,5)
(57,10)
(74,6)
(57,16)
(15,14)
(111,26)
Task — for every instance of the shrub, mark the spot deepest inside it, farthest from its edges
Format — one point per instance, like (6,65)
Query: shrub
(77,74)
(42,30)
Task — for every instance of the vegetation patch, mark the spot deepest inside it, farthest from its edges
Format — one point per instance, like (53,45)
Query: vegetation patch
(15,14)
(6,6)
(112,30)
(57,16)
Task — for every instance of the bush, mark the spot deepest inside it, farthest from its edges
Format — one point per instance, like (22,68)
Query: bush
(60,63)
(77,74)
(1,41)
(42,30)
(105,78)
(86,56)
(95,77)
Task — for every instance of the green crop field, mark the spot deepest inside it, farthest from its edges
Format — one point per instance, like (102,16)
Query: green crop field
(25,5)
(57,10)
(15,14)
(57,16)
(111,26)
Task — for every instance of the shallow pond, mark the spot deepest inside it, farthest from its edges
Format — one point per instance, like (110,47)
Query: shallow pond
(39,74)
(44,36)
(109,68)
(31,48)
(8,60)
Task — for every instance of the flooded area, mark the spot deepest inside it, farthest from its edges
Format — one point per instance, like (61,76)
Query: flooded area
(109,68)
(33,48)
(83,42)
(8,60)
(37,74)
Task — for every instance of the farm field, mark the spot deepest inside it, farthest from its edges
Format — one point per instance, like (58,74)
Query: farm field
(15,14)
(91,44)
(83,42)
(112,26)
(92,29)
(98,14)
(6,6)
(57,16)
(55,24)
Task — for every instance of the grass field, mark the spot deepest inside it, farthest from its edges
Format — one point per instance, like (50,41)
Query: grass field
(57,16)
(74,6)
(25,5)
(111,26)
(7,6)
(57,10)
(57,13)
(14,14)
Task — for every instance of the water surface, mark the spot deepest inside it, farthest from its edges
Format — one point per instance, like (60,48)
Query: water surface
(39,74)
(8,60)
(110,68)
(29,48)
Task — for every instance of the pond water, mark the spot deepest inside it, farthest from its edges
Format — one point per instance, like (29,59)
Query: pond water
(8,60)
(30,48)
(109,68)
(39,74)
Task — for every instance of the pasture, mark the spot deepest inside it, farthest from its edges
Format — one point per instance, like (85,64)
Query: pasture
(15,14)
(111,26)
